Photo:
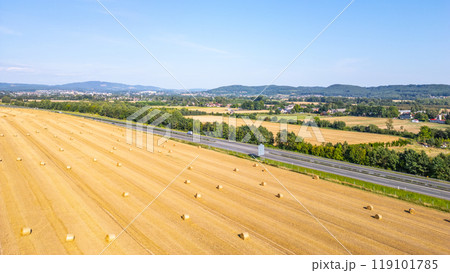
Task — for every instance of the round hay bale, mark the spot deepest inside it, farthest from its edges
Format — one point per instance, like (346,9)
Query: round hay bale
(174,144)
(185,217)
(131,149)
(255,165)
(316,177)
(61,149)
(412,211)
(244,236)
(111,151)
(187,181)
(114,148)
(70,237)
(28,134)
(19,159)
(43,163)
(236,169)
(110,237)
(2,135)
(378,216)
(164,146)
(170,151)
(199,147)
(119,164)
(95,159)
(159,151)
(125,194)
(263,170)
(198,195)
(25,231)
(280,195)
(69,167)
(369,207)
(37,132)
(263,184)
(190,168)
(219,187)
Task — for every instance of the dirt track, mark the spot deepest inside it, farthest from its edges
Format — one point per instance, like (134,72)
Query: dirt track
(87,200)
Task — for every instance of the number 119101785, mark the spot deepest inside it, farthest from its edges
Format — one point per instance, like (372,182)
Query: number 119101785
(404,264)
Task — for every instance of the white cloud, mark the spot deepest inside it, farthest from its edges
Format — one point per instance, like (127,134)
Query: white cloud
(8,31)
(16,69)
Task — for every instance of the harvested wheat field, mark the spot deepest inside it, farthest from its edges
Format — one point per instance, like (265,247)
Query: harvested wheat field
(53,209)
(210,110)
(308,135)
(399,124)
(432,152)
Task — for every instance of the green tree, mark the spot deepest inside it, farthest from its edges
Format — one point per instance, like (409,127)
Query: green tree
(425,132)
(440,167)
(421,116)
(338,153)
(6,99)
(390,124)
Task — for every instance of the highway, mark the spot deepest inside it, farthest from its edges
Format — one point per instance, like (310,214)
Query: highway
(413,183)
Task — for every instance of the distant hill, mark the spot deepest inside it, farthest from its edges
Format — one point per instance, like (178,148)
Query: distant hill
(21,87)
(388,91)
(97,86)
(106,86)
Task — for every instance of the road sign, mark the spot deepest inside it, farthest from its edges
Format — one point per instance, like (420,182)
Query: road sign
(260,149)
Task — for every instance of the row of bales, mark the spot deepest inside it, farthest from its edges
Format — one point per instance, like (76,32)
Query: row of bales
(109,238)
(378,216)
(25,231)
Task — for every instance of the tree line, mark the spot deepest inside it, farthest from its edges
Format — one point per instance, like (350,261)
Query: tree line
(373,154)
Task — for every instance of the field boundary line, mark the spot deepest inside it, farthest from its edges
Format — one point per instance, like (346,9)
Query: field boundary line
(307,210)
(149,204)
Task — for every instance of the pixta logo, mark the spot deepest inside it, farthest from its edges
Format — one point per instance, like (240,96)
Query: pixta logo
(140,132)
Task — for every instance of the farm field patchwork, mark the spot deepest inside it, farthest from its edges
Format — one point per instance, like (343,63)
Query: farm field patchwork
(97,196)
(407,125)
(221,110)
(432,152)
(329,135)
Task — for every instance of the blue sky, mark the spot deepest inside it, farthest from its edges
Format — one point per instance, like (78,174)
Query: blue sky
(206,44)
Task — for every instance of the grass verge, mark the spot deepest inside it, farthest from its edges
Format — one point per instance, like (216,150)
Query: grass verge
(411,197)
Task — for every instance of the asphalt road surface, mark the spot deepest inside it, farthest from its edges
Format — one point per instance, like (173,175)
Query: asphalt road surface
(413,183)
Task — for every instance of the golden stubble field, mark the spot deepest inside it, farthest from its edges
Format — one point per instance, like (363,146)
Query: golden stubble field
(87,200)
(209,110)
(308,135)
(399,124)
